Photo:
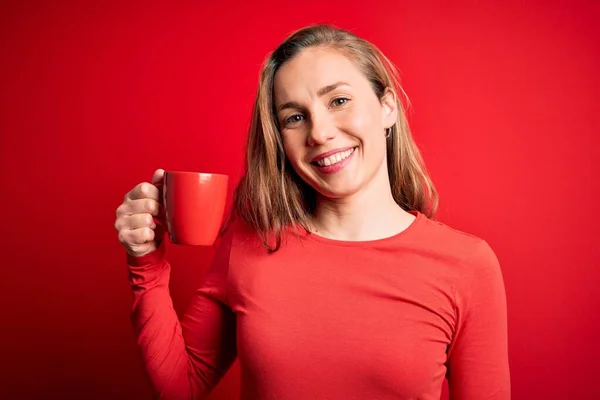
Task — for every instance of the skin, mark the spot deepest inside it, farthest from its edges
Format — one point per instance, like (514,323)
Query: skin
(323,103)
(134,222)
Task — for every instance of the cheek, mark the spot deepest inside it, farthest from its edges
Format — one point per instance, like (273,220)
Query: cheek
(295,152)
(358,122)
(294,148)
(361,121)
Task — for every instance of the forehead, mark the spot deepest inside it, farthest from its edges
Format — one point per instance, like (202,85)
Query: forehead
(311,70)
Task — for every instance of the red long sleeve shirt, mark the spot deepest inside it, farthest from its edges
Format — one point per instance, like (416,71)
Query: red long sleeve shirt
(329,319)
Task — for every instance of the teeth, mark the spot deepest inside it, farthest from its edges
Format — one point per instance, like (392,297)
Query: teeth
(335,158)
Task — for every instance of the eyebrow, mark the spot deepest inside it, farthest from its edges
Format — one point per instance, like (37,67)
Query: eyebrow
(321,92)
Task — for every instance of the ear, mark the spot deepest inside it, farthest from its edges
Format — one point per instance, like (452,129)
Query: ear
(389,108)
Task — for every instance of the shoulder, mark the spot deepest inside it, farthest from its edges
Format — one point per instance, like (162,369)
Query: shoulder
(471,256)
(239,237)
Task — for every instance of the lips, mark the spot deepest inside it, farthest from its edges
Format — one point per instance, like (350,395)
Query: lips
(334,158)
(331,153)
(334,161)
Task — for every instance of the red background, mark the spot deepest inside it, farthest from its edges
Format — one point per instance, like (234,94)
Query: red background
(93,98)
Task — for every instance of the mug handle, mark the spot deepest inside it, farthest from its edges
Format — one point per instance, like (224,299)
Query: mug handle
(160,219)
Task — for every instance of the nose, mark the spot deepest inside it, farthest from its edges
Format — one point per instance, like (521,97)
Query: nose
(322,130)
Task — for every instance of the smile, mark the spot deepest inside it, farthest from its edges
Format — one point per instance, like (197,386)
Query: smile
(335,158)
(334,161)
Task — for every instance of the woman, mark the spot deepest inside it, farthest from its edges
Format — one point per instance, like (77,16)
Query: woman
(333,281)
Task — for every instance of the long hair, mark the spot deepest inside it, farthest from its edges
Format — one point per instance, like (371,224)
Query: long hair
(271,197)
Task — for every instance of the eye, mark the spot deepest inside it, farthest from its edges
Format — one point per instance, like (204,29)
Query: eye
(293,119)
(340,101)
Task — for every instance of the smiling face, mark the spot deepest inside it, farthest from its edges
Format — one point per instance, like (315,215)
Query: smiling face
(332,122)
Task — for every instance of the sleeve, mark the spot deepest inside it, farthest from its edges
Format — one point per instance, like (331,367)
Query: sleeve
(478,365)
(184,359)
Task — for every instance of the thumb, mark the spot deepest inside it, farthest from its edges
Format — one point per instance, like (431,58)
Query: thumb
(158,176)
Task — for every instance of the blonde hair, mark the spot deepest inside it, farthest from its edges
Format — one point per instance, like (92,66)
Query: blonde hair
(270,196)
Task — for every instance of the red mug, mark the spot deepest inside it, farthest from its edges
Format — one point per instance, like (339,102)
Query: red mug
(194,204)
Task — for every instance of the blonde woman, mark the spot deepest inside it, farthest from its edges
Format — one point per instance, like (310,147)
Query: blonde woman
(332,280)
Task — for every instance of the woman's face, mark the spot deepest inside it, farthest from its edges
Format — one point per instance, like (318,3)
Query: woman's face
(332,123)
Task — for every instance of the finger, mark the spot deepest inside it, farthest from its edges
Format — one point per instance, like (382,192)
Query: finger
(158,176)
(136,221)
(132,237)
(140,206)
(144,190)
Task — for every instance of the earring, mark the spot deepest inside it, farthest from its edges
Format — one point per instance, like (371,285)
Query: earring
(388,132)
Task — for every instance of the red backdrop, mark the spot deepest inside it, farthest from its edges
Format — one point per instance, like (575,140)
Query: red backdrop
(505,107)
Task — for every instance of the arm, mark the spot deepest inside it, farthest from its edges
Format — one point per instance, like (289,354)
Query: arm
(478,367)
(184,359)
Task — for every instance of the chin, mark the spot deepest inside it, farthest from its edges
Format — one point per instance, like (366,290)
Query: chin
(336,187)
(337,191)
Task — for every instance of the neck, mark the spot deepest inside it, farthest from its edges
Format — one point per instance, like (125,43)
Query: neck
(369,214)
